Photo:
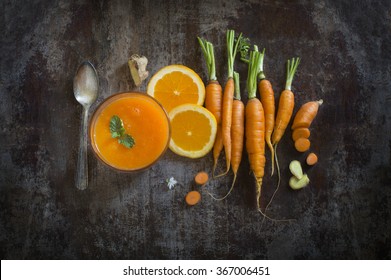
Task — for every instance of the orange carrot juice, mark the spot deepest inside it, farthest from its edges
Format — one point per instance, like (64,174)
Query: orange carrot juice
(143,118)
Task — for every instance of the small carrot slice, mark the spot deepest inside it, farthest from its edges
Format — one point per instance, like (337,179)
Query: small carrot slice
(312,159)
(300,132)
(302,144)
(201,178)
(192,198)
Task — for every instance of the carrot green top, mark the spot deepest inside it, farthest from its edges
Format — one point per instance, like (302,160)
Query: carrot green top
(291,68)
(253,67)
(208,51)
(261,73)
(232,50)
(237,86)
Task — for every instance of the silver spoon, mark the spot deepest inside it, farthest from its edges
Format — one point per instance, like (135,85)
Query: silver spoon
(85,88)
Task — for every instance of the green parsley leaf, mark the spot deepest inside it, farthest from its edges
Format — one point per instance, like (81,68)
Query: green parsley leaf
(126,140)
(116,127)
(117,130)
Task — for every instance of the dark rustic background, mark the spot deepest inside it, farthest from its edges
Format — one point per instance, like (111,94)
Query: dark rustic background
(345,213)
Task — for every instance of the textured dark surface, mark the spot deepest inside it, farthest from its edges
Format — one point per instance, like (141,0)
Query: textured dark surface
(345,213)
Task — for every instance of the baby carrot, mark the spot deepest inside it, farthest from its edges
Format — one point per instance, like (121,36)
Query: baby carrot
(267,99)
(285,108)
(226,122)
(255,126)
(237,134)
(213,96)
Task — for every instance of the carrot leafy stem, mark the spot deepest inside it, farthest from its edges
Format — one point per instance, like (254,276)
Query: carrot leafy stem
(117,130)
(291,68)
(237,86)
(253,67)
(208,51)
(232,49)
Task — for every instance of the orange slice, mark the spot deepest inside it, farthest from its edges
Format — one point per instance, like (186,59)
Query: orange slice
(175,85)
(193,130)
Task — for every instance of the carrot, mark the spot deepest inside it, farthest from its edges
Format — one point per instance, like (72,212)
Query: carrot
(285,107)
(300,132)
(286,103)
(237,131)
(306,114)
(201,178)
(267,99)
(284,114)
(226,122)
(237,134)
(192,198)
(213,96)
(302,144)
(312,159)
(255,126)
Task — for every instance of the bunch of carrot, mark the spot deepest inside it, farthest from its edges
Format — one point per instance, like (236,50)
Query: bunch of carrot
(263,124)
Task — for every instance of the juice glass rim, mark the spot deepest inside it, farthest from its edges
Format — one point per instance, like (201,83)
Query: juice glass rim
(104,104)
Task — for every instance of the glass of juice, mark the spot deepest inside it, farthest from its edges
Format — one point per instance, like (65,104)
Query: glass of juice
(143,118)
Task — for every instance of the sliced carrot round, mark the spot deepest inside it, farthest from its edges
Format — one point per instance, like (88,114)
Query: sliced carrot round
(201,178)
(193,197)
(300,132)
(312,159)
(302,144)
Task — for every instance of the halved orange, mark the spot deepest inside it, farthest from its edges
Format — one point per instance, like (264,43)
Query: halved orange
(193,130)
(175,85)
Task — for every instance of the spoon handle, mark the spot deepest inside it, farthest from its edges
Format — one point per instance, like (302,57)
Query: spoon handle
(82,163)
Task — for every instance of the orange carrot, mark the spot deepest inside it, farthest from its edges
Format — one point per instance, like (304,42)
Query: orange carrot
(284,114)
(192,198)
(237,131)
(312,159)
(201,178)
(237,134)
(286,103)
(213,96)
(255,126)
(226,122)
(300,132)
(306,114)
(302,144)
(267,99)
(285,108)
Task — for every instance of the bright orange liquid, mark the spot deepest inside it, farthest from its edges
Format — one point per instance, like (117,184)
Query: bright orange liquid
(143,119)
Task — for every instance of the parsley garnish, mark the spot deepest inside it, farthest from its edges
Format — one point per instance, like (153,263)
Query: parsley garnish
(118,131)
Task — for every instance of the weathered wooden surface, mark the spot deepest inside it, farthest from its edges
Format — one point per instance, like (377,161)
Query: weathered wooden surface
(346,56)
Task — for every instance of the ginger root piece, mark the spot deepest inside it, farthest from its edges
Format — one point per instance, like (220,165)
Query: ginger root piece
(137,66)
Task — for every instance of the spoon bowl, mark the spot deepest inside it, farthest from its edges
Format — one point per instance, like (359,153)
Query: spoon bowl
(85,88)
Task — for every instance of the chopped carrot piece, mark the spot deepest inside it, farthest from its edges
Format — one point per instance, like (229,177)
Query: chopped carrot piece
(192,198)
(201,178)
(300,132)
(312,159)
(302,144)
